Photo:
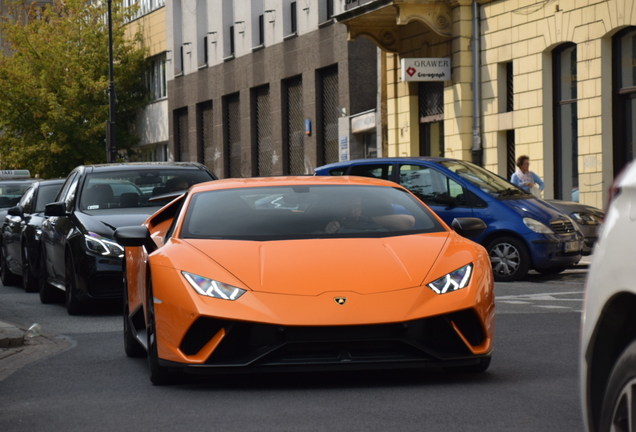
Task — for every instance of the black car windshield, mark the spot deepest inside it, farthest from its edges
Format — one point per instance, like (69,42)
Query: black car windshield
(303,212)
(11,192)
(485,180)
(133,188)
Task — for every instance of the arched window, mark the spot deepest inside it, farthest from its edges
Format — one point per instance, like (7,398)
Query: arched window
(566,152)
(624,96)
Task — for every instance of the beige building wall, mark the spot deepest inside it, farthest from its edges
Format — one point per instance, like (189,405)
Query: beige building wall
(524,32)
(154,30)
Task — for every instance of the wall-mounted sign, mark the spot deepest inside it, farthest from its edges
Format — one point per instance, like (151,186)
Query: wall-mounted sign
(426,69)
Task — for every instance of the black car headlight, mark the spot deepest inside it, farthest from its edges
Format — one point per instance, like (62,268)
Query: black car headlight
(102,245)
(453,281)
(583,218)
(212,288)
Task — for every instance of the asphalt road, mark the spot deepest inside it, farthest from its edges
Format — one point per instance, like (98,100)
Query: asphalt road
(76,377)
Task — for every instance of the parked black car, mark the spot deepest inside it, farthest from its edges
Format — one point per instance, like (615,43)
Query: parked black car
(21,232)
(79,254)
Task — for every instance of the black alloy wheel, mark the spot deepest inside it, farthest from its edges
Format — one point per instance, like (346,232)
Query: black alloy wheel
(74,306)
(619,407)
(29,280)
(8,278)
(48,294)
(132,347)
(159,375)
(510,259)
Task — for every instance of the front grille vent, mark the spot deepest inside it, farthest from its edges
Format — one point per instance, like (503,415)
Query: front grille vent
(562,226)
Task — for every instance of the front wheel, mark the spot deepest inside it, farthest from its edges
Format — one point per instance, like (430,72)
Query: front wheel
(7,277)
(74,306)
(29,280)
(159,375)
(510,259)
(618,406)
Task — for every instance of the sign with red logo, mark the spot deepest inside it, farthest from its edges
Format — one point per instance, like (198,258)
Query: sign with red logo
(426,69)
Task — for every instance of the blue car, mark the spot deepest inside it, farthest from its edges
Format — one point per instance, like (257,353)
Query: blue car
(523,232)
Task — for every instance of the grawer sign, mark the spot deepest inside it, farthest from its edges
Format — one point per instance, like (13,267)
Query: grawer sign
(426,69)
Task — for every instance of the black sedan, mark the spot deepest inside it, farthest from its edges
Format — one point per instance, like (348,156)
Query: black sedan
(79,254)
(21,231)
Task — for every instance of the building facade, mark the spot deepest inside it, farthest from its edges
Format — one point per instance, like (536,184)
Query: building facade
(553,80)
(268,87)
(152,121)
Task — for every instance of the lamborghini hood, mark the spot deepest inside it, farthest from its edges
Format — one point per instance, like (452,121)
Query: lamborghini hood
(312,267)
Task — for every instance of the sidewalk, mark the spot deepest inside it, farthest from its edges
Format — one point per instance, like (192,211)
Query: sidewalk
(10,336)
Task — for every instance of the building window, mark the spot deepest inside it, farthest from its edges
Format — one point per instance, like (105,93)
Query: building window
(566,170)
(511,158)
(624,97)
(329,113)
(294,136)
(181,145)
(431,103)
(204,130)
(231,40)
(156,77)
(233,136)
(293,18)
(510,88)
(261,30)
(263,132)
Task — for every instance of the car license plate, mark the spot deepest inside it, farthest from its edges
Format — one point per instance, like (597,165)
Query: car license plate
(571,246)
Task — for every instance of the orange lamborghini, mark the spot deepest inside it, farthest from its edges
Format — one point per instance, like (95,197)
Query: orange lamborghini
(305,272)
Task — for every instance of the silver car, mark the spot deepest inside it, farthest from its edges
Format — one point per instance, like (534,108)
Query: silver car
(588,219)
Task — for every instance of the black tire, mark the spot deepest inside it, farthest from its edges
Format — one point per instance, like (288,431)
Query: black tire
(552,270)
(8,278)
(159,375)
(29,280)
(74,306)
(617,407)
(510,259)
(48,294)
(480,367)
(131,345)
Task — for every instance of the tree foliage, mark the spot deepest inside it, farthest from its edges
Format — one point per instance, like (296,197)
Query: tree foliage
(54,84)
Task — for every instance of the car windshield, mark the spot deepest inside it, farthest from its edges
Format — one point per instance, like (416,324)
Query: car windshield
(133,188)
(488,182)
(303,212)
(11,192)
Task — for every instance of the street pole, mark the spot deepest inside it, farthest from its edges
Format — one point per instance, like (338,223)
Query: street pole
(111,146)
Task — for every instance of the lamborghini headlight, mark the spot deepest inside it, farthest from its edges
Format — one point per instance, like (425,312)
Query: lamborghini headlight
(213,288)
(102,245)
(453,281)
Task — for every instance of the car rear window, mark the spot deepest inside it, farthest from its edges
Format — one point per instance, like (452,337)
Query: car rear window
(303,212)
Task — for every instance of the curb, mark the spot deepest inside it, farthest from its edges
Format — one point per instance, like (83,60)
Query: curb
(10,335)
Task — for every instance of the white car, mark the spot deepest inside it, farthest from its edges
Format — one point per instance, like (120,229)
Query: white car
(608,345)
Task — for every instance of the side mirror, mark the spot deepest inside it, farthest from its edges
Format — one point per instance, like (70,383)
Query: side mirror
(469,227)
(55,209)
(16,211)
(135,236)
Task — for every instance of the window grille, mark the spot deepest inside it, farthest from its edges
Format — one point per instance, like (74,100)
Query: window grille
(295,127)
(205,137)
(431,99)
(510,90)
(233,136)
(182,151)
(510,153)
(264,132)
(330,114)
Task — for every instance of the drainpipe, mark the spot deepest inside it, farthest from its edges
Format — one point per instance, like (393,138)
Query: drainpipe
(477,149)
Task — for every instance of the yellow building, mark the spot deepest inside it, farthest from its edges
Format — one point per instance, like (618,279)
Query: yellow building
(556,81)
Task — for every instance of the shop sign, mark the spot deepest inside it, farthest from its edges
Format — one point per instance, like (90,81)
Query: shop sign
(426,69)
(363,123)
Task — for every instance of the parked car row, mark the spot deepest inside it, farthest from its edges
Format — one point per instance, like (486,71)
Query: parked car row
(59,236)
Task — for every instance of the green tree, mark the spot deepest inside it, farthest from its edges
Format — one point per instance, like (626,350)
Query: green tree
(54,84)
